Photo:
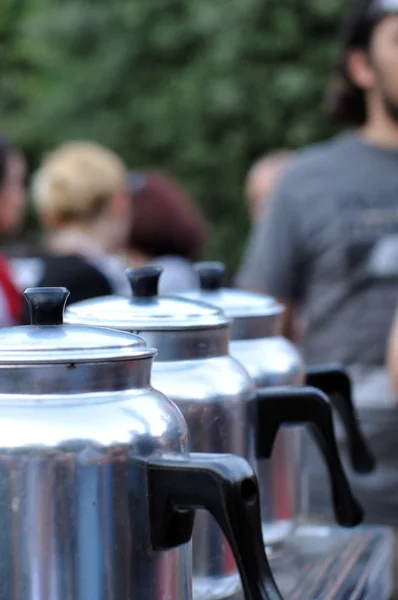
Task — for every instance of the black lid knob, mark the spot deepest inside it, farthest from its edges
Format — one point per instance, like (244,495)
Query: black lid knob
(144,281)
(46,304)
(211,275)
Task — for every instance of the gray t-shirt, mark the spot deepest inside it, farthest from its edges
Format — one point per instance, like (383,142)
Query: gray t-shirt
(328,242)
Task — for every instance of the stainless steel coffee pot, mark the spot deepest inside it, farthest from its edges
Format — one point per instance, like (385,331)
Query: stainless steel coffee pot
(97,485)
(218,399)
(273,360)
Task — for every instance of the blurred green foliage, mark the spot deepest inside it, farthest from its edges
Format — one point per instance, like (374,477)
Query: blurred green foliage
(199,88)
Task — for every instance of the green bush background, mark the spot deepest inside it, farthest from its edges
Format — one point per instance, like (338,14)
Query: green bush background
(199,88)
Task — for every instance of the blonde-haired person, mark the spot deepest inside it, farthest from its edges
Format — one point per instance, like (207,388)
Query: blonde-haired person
(79,193)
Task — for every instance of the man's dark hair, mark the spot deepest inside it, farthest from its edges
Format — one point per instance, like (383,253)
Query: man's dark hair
(345,101)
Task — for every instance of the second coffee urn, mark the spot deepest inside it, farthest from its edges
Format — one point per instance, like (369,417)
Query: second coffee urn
(273,360)
(219,401)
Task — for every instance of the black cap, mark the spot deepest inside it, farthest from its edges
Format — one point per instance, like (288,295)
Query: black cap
(345,102)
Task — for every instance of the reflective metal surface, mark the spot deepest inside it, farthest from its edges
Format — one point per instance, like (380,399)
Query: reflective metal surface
(212,390)
(271,360)
(73,378)
(275,361)
(96,483)
(48,360)
(48,344)
(188,344)
(156,313)
(192,330)
(72,512)
(213,395)
(76,413)
(251,315)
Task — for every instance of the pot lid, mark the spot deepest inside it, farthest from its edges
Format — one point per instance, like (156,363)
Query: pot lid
(145,310)
(48,340)
(235,303)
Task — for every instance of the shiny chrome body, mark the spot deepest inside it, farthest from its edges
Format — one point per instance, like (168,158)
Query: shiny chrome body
(271,360)
(213,390)
(275,361)
(68,527)
(73,508)
(212,394)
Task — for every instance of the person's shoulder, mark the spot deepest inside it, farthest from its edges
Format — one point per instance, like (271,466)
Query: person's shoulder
(318,159)
(69,264)
(82,278)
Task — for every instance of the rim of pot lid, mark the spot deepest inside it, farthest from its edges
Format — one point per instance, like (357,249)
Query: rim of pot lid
(252,315)
(47,340)
(145,310)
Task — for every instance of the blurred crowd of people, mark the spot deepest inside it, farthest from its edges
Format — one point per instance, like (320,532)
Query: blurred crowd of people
(324,237)
(96,219)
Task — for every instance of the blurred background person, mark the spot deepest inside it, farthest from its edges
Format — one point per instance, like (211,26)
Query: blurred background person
(392,356)
(167,230)
(12,211)
(262,179)
(328,243)
(80,195)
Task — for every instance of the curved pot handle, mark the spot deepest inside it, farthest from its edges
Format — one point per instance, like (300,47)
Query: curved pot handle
(226,486)
(335,382)
(278,406)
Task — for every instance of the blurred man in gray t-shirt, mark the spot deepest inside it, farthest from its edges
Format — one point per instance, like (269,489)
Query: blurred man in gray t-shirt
(328,242)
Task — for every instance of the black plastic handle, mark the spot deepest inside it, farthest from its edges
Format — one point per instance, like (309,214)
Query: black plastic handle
(335,382)
(144,281)
(211,275)
(280,406)
(46,305)
(226,486)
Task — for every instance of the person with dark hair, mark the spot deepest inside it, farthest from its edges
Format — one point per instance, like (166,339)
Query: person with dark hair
(12,205)
(328,242)
(346,100)
(167,229)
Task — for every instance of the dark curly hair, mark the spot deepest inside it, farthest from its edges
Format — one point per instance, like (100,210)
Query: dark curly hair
(165,219)
(345,101)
